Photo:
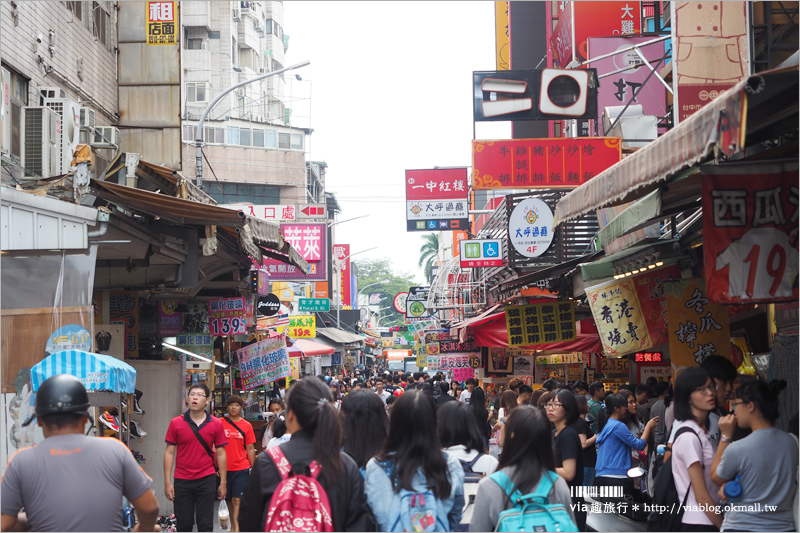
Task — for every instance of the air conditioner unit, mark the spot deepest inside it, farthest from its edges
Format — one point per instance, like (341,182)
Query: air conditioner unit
(51,92)
(262,71)
(87,118)
(105,137)
(564,92)
(41,142)
(69,113)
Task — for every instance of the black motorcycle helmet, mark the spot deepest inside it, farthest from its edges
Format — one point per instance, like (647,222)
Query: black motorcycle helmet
(61,394)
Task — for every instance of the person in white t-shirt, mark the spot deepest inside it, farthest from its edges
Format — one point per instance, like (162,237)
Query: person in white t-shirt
(382,394)
(693,454)
(467,393)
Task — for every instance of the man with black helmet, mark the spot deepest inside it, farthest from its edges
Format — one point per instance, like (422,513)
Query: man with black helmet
(71,482)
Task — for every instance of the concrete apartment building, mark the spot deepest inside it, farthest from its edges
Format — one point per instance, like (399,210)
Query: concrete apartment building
(60,55)
(255,156)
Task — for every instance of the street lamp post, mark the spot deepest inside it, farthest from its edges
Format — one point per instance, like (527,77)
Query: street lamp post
(220,96)
(370,285)
(338,264)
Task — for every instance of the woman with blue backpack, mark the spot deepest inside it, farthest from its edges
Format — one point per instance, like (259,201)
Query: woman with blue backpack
(412,485)
(307,483)
(513,498)
(365,426)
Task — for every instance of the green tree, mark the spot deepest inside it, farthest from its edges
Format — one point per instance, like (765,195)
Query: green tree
(429,254)
(370,271)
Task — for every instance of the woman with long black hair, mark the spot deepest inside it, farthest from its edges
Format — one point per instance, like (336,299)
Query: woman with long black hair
(316,432)
(562,412)
(365,426)
(412,463)
(766,478)
(527,456)
(477,403)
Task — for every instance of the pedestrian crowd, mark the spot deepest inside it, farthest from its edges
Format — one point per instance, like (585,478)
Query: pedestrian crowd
(414,452)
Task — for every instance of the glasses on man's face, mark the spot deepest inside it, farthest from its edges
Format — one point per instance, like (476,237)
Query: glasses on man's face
(552,406)
(197,395)
(705,389)
(734,404)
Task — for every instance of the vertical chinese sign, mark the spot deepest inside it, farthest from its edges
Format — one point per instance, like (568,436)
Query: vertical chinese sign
(541,163)
(651,290)
(502,35)
(162,23)
(342,252)
(170,321)
(712,47)
(618,315)
(437,200)
(750,227)
(124,309)
(310,241)
(544,323)
(697,328)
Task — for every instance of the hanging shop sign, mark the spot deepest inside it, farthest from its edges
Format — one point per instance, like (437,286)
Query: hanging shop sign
(300,327)
(481,253)
(162,22)
(437,199)
(226,316)
(614,368)
(697,328)
(311,242)
(463,374)
(618,89)
(263,362)
(618,316)
(574,372)
(453,361)
(523,365)
(648,357)
(417,304)
(200,344)
(170,321)
(341,252)
(434,363)
(69,337)
(750,233)
(658,371)
(422,360)
(498,361)
(314,305)
(581,20)
(541,163)
(124,309)
(269,305)
(544,323)
(448,345)
(650,288)
(399,302)
(530,227)
(274,213)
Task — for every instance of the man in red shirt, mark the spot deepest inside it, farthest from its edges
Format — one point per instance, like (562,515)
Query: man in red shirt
(195,477)
(241,453)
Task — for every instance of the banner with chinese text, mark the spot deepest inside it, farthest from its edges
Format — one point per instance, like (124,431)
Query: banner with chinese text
(650,288)
(437,199)
(697,328)
(618,316)
(310,241)
(300,327)
(170,321)
(263,362)
(541,163)
(453,361)
(544,323)
(341,252)
(227,316)
(162,23)
(434,363)
(750,229)
(124,309)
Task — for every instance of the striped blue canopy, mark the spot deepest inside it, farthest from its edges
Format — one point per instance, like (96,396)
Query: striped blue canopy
(96,371)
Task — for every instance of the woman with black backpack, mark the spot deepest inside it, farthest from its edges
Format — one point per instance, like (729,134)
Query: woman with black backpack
(314,451)
(527,460)
(412,485)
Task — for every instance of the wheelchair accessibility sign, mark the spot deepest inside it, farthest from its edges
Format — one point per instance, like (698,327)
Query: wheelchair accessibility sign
(481,253)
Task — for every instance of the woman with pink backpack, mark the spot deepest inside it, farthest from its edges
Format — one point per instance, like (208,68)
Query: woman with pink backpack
(307,483)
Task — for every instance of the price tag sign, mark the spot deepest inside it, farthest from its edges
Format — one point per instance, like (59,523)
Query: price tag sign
(226,316)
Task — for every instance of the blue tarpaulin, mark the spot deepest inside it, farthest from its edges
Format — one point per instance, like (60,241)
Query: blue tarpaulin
(96,371)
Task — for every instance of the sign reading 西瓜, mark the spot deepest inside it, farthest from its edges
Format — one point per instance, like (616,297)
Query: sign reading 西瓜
(437,199)
(300,327)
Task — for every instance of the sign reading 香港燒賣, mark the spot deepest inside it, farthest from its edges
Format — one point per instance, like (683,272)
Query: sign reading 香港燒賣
(263,362)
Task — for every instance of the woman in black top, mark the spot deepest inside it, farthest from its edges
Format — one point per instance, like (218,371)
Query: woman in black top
(478,404)
(316,432)
(588,438)
(562,411)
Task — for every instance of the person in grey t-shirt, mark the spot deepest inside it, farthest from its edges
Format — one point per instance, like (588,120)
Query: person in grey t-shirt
(71,482)
(765,461)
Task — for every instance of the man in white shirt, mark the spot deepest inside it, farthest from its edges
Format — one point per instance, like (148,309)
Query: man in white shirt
(467,394)
(382,394)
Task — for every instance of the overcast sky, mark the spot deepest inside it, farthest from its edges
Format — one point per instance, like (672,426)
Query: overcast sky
(390,89)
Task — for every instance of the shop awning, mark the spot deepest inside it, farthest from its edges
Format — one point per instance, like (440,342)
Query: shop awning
(311,348)
(252,232)
(339,336)
(96,371)
(748,109)
(494,333)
